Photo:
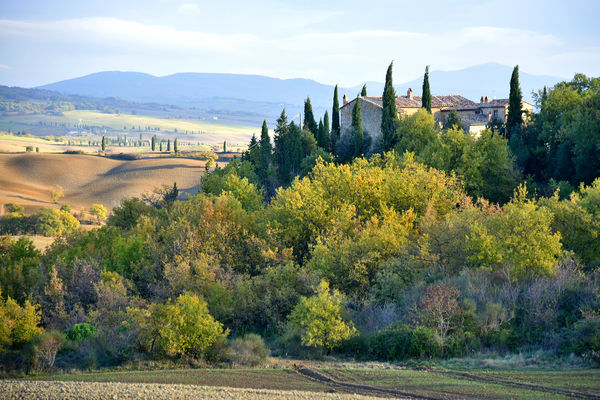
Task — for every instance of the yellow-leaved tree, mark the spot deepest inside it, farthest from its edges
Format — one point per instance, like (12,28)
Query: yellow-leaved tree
(320,319)
(185,327)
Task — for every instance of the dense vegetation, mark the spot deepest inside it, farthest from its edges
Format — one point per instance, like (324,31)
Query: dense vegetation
(438,247)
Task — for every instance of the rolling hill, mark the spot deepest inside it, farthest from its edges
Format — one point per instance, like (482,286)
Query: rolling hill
(27,179)
(266,96)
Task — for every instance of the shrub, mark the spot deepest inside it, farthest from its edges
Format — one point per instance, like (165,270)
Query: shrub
(43,350)
(586,339)
(80,331)
(249,350)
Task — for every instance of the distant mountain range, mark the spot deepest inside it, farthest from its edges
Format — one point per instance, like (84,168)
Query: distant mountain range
(264,97)
(490,80)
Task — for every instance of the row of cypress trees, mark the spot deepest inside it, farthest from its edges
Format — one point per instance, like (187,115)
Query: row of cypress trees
(279,163)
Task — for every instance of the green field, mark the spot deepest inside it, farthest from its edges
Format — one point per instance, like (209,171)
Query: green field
(119,121)
(434,384)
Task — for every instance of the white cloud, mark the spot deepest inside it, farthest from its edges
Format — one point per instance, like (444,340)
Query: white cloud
(189,9)
(344,57)
(2,66)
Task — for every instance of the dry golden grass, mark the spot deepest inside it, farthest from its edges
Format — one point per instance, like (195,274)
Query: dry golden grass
(28,178)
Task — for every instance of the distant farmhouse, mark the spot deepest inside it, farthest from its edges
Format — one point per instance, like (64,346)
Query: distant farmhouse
(475,117)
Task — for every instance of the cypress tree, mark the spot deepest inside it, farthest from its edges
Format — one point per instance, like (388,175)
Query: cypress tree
(168,145)
(426,98)
(514,119)
(322,135)
(309,119)
(335,116)
(103,143)
(224,146)
(265,151)
(160,146)
(153,143)
(363,92)
(357,127)
(326,123)
(175,146)
(389,117)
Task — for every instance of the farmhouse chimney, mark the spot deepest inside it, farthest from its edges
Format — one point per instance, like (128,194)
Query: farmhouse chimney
(345,99)
(409,93)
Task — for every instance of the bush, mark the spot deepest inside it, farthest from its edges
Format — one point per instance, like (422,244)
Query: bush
(396,343)
(80,331)
(249,350)
(42,352)
(585,339)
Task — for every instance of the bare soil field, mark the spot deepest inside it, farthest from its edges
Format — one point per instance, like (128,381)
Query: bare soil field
(53,390)
(376,381)
(28,178)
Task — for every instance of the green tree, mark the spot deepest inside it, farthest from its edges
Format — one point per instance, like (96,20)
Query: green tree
(363,91)
(185,326)
(309,119)
(335,119)
(453,121)
(224,146)
(389,117)
(264,155)
(57,193)
(160,146)
(320,319)
(175,149)
(322,135)
(514,119)
(153,143)
(326,126)
(426,98)
(103,143)
(357,127)
(169,145)
(98,211)
(517,240)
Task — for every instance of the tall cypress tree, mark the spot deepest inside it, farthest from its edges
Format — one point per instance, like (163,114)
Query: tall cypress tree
(168,145)
(103,143)
(357,128)
(322,135)
(309,119)
(389,117)
(160,146)
(426,98)
(326,127)
(154,143)
(175,149)
(363,92)
(281,131)
(514,119)
(264,153)
(335,117)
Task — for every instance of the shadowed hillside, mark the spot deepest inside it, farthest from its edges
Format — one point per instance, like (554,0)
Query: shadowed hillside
(27,179)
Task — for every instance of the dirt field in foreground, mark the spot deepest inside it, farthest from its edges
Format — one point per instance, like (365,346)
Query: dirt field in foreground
(53,390)
(28,178)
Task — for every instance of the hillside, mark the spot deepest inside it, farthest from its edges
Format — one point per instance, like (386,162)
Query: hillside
(265,95)
(27,179)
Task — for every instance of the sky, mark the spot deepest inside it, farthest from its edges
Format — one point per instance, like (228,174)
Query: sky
(346,42)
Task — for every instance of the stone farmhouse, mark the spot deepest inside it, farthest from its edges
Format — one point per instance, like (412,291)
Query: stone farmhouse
(474,116)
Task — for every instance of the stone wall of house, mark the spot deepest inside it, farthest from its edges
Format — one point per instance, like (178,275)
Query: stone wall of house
(371,117)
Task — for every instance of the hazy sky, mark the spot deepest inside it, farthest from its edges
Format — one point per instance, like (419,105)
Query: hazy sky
(344,42)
